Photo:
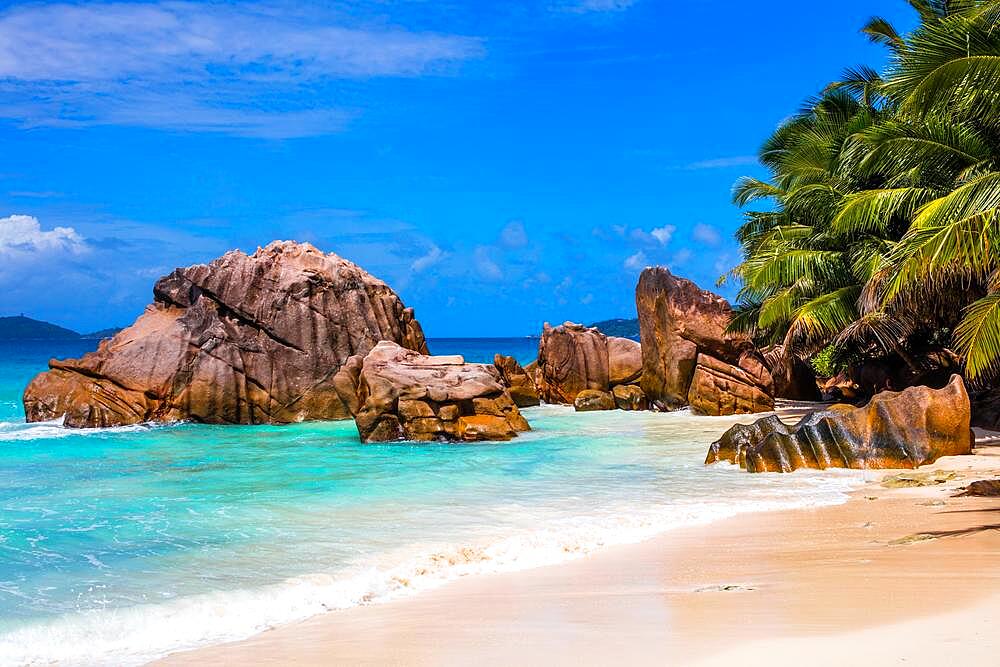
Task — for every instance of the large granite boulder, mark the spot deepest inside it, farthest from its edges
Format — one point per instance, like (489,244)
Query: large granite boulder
(520,384)
(895,430)
(404,395)
(688,354)
(718,388)
(245,339)
(571,358)
(624,360)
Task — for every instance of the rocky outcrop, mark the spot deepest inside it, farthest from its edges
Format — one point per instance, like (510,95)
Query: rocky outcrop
(403,395)
(683,331)
(517,380)
(718,388)
(245,339)
(629,397)
(624,361)
(988,488)
(571,358)
(592,400)
(895,430)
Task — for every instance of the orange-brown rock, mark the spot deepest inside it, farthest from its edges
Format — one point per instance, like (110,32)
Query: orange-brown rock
(241,340)
(629,397)
(895,430)
(592,400)
(624,360)
(679,324)
(521,386)
(404,395)
(571,358)
(719,388)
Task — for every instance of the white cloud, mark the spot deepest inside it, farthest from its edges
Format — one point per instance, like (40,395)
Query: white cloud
(663,234)
(101,42)
(514,235)
(24,234)
(586,298)
(485,265)
(706,234)
(636,262)
(432,257)
(724,162)
(247,69)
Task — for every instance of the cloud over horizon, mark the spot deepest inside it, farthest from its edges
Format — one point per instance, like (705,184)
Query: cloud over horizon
(246,70)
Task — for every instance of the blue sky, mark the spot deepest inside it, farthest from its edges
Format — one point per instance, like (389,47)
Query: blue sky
(499,164)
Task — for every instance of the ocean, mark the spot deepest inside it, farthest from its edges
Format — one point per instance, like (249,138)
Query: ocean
(120,545)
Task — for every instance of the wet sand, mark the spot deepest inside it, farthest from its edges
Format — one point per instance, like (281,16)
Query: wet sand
(894,576)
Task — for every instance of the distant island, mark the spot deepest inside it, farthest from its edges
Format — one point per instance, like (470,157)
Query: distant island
(20,327)
(619,327)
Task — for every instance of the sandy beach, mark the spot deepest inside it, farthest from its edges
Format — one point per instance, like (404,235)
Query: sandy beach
(894,576)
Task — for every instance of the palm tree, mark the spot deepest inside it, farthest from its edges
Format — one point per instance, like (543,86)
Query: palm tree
(885,200)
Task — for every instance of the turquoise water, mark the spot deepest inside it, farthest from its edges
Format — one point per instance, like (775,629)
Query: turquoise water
(120,545)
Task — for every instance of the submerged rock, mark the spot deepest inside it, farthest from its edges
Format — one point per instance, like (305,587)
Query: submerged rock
(895,430)
(520,384)
(688,354)
(591,400)
(245,339)
(404,395)
(909,480)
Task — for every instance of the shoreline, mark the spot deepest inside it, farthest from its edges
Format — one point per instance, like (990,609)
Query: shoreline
(672,597)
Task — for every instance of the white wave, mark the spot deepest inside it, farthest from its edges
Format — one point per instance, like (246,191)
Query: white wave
(135,635)
(11,431)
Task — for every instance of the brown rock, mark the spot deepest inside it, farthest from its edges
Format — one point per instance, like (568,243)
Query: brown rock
(244,339)
(629,397)
(519,382)
(624,360)
(721,389)
(983,487)
(404,395)
(571,358)
(677,322)
(591,400)
(839,388)
(895,430)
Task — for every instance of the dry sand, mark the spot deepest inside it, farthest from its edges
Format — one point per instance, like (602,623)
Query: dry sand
(894,576)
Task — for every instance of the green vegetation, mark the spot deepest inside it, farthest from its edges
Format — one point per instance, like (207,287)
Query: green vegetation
(882,211)
(824,362)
